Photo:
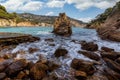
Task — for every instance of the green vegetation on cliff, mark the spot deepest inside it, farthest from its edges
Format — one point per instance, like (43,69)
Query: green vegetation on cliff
(101,18)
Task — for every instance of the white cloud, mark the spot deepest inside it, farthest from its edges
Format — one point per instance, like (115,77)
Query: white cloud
(22,5)
(49,14)
(55,3)
(85,4)
(87,19)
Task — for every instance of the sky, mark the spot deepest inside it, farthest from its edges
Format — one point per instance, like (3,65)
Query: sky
(83,10)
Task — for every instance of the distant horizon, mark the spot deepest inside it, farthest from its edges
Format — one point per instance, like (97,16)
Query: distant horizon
(77,9)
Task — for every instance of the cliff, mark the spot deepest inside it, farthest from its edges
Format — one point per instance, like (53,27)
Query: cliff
(108,24)
(27,19)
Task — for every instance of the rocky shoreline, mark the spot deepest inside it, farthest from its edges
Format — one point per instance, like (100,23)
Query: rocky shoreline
(104,64)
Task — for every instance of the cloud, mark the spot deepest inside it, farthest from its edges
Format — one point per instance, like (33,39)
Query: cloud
(55,3)
(87,19)
(49,13)
(85,4)
(22,5)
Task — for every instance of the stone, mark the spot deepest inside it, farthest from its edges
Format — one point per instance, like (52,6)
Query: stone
(60,52)
(110,55)
(106,49)
(90,46)
(32,50)
(2,67)
(52,65)
(62,25)
(80,75)
(21,75)
(112,65)
(90,55)
(16,67)
(118,60)
(85,66)
(2,76)
(111,75)
(49,40)
(38,71)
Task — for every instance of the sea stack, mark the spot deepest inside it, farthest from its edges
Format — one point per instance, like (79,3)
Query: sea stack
(62,25)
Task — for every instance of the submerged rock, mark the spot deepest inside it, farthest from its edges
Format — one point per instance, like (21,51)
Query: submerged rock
(60,52)
(90,46)
(62,25)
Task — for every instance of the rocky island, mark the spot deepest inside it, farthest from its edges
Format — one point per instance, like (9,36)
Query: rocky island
(62,25)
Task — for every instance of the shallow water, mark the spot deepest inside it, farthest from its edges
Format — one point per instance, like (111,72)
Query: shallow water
(47,51)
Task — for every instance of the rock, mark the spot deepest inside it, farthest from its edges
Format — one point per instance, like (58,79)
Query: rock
(106,49)
(60,52)
(21,75)
(80,75)
(32,50)
(118,60)
(90,46)
(97,77)
(112,64)
(111,75)
(52,66)
(62,25)
(38,71)
(110,55)
(2,76)
(16,67)
(84,66)
(49,40)
(91,55)
(51,44)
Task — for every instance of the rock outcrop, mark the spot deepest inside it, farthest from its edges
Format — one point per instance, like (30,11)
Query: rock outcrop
(62,25)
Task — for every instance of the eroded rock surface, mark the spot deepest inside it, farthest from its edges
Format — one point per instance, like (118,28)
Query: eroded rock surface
(62,25)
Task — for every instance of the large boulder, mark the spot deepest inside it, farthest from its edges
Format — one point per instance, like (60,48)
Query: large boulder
(60,52)
(16,67)
(90,46)
(85,66)
(38,71)
(62,25)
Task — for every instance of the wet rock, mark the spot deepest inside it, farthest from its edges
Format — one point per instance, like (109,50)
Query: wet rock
(16,67)
(106,49)
(52,66)
(112,64)
(32,50)
(111,75)
(51,44)
(110,55)
(85,66)
(60,52)
(38,71)
(118,60)
(62,25)
(2,76)
(90,46)
(2,59)
(21,75)
(97,77)
(80,75)
(49,40)
(91,55)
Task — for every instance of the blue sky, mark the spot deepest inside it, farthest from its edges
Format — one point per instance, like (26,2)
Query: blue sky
(84,10)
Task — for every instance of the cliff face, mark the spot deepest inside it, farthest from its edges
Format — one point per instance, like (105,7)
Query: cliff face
(108,26)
